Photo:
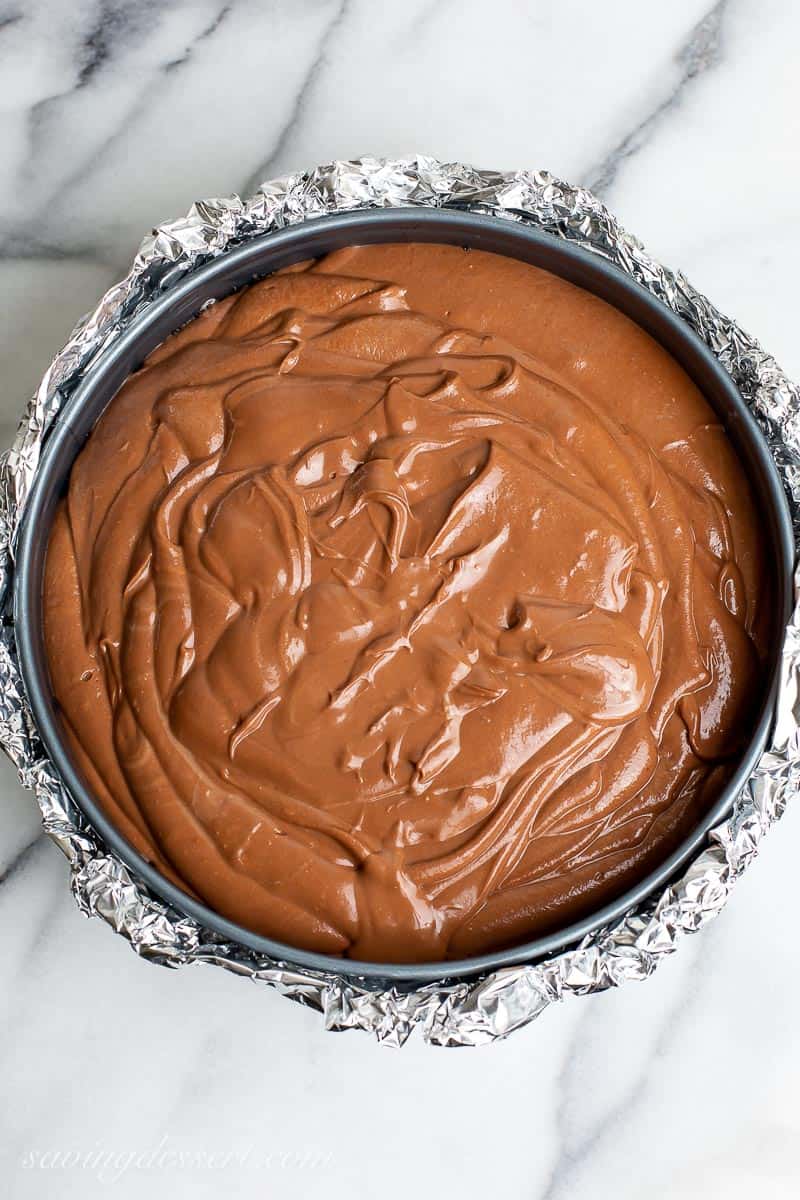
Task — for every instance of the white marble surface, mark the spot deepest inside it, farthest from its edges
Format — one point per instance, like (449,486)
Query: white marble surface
(116,114)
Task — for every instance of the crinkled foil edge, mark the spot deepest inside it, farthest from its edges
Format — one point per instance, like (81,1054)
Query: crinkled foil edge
(490,1007)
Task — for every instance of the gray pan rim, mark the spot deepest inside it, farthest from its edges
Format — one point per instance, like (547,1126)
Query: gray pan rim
(253,260)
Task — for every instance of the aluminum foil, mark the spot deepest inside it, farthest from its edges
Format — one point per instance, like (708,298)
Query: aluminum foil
(448,1014)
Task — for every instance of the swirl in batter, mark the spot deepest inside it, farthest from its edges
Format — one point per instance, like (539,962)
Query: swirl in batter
(407,604)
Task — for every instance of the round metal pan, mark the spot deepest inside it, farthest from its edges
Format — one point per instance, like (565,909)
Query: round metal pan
(253,260)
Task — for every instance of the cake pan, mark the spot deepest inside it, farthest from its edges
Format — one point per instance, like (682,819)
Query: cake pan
(253,260)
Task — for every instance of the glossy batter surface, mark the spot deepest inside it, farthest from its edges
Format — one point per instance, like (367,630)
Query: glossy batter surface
(406,605)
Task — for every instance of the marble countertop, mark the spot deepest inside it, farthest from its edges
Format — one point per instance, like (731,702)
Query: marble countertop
(120,1076)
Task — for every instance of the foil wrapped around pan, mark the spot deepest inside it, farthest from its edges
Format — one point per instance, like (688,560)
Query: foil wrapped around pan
(490,1007)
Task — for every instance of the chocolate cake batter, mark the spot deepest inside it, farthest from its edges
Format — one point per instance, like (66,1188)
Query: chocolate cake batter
(407,604)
